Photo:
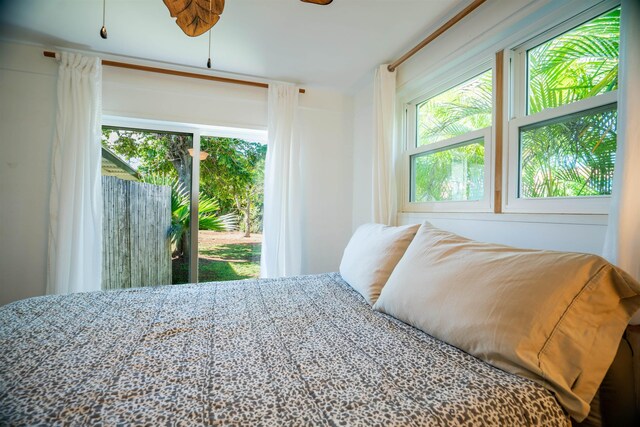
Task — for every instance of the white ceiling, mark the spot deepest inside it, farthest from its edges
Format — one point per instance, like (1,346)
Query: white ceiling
(329,46)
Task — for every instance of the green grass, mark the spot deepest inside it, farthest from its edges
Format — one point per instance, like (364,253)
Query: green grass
(222,262)
(229,262)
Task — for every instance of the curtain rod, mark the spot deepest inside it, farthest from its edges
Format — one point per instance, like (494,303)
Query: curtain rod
(109,63)
(450,23)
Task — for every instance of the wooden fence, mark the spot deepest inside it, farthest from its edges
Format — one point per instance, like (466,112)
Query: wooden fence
(136,249)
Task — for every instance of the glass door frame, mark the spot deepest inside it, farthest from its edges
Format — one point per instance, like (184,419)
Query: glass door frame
(194,131)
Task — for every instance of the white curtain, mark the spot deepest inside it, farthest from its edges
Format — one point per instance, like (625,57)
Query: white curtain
(384,208)
(281,243)
(622,243)
(75,229)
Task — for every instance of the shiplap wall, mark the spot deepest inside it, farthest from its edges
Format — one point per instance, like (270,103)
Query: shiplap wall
(136,249)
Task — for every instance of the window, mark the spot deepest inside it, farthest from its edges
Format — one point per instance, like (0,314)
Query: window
(562,133)
(449,160)
(560,124)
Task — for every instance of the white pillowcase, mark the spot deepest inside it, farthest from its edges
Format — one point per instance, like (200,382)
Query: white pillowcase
(372,254)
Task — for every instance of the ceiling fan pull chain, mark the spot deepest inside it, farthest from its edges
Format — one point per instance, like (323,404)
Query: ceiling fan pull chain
(209,60)
(103,30)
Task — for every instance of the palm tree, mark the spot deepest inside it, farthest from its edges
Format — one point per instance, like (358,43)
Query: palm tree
(208,218)
(572,156)
(460,110)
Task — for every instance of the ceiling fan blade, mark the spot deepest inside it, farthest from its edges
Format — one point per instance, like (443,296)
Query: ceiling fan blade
(320,2)
(195,17)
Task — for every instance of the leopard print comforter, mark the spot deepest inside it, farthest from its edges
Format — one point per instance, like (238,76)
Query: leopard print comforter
(274,352)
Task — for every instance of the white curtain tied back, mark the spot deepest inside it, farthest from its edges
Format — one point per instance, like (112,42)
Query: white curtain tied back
(75,229)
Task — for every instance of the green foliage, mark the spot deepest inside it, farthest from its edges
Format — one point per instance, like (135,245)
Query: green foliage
(459,110)
(234,173)
(570,156)
(574,156)
(575,65)
(148,152)
(453,174)
(208,208)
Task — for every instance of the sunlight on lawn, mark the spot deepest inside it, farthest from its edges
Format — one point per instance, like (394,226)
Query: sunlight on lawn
(220,260)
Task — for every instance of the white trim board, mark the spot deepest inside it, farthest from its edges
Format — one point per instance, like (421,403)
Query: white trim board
(253,135)
(596,220)
(576,233)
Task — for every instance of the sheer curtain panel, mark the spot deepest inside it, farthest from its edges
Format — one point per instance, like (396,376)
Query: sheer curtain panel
(622,243)
(281,245)
(75,229)
(384,206)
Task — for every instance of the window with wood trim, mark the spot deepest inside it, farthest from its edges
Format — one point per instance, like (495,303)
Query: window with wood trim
(562,131)
(448,158)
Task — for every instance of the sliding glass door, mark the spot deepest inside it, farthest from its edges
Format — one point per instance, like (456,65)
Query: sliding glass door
(180,207)
(150,212)
(231,204)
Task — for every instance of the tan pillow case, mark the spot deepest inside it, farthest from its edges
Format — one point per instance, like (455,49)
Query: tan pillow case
(554,317)
(371,255)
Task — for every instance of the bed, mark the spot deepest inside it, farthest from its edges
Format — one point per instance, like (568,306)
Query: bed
(421,327)
(307,350)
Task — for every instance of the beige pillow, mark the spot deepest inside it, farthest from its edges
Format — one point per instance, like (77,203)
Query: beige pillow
(372,253)
(556,318)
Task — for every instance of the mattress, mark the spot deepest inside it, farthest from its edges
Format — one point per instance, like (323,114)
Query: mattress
(306,350)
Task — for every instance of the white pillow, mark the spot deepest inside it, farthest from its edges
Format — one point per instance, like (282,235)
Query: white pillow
(372,254)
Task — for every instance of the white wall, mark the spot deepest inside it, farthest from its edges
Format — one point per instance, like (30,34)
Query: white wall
(27,113)
(27,102)
(326,161)
(487,30)
(144,95)
(363,151)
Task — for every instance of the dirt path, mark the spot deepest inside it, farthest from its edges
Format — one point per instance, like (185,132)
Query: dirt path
(213,238)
